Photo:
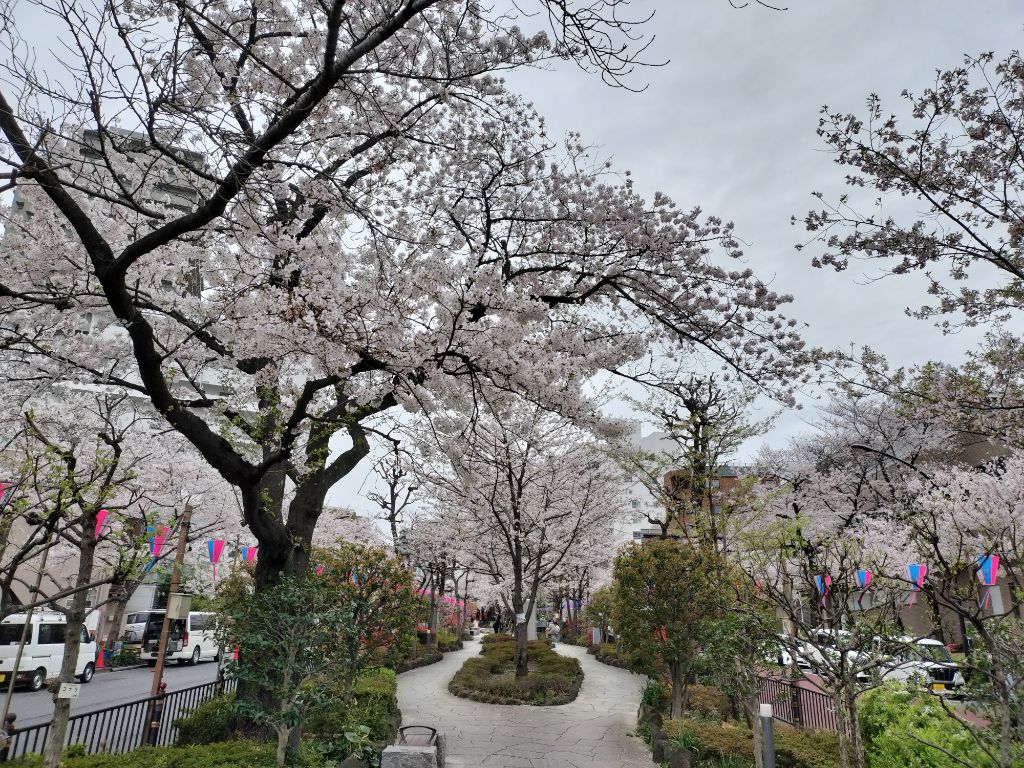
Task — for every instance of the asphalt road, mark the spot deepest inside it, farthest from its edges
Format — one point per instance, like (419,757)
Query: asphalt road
(108,689)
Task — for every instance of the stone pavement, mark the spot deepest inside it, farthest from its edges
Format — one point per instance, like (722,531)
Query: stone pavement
(591,732)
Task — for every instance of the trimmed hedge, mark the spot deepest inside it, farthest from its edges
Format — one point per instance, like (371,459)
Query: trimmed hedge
(415,662)
(490,677)
(375,706)
(733,741)
(232,754)
(207,723)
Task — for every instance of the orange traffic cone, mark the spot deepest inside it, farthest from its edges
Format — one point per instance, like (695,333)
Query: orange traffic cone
(99,659)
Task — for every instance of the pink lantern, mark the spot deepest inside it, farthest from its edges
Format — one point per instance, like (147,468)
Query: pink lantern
(158,542)
(101,519)
(215,547)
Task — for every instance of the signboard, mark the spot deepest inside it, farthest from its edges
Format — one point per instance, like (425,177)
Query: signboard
(69,690)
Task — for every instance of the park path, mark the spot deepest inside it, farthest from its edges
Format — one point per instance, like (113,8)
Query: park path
(591,732)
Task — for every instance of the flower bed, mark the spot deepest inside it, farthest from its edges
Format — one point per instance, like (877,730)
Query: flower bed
(490,677)
(427,657)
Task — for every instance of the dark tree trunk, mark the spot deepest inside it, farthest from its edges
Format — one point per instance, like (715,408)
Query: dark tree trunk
(72,643)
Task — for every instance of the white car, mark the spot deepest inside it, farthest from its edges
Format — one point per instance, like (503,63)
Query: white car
(43,654)
(189,641)
(924,659)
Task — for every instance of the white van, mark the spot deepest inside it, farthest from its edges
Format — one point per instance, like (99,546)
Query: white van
(189,642)
(925,660)
(44,652)
(134,626)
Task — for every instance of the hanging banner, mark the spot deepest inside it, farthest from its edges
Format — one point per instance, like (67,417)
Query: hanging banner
(249,554)
(988,572)
(916,573)
(215,547)
(824,584)
(101,519)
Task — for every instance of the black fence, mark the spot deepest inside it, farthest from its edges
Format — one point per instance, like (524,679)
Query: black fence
(798,705)
(122,728)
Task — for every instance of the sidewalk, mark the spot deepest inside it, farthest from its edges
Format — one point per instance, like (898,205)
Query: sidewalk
(591,732)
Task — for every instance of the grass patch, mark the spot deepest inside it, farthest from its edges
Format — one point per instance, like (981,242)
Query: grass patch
(491,677)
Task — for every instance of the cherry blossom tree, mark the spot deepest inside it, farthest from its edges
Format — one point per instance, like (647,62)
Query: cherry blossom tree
(953,516)
(959,159)
(276,235)
(530,487)
(89,469)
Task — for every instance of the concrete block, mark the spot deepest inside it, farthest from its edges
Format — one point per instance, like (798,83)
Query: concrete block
(400,756)
(442,745)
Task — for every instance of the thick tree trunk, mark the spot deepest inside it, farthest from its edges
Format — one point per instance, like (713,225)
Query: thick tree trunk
(119,607)
(678,689)
(522,665)
(72,643)
(851,748)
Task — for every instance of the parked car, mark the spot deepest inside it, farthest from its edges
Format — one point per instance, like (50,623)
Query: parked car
(780,650)
(189,640)
(925,659)
(43,654)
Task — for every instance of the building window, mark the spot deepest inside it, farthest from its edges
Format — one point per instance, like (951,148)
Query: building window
(635,503)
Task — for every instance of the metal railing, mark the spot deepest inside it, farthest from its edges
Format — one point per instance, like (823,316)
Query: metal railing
(798,705)
(120,728)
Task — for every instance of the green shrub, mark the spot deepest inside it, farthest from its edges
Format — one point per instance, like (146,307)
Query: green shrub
(375,707)
(806,749)
(895,720)
(655,695)
(712,740)
(446,637)
(126,657)
(490,677)
(607,649)
(733,744)
(232,754)
(207,723)
(706,701)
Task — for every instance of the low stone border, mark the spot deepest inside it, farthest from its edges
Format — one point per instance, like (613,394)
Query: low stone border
(420,661)
(664,751)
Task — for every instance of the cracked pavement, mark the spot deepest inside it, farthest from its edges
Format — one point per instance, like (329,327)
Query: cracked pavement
(594,731)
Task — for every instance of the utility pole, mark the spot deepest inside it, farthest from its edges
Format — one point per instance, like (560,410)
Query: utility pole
(156,707)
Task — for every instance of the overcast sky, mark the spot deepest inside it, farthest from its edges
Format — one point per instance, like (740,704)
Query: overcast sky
(729,124)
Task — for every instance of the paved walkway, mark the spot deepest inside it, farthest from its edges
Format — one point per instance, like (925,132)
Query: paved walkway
(591,732)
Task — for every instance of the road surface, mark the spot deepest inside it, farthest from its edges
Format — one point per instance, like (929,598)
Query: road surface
(108,689)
